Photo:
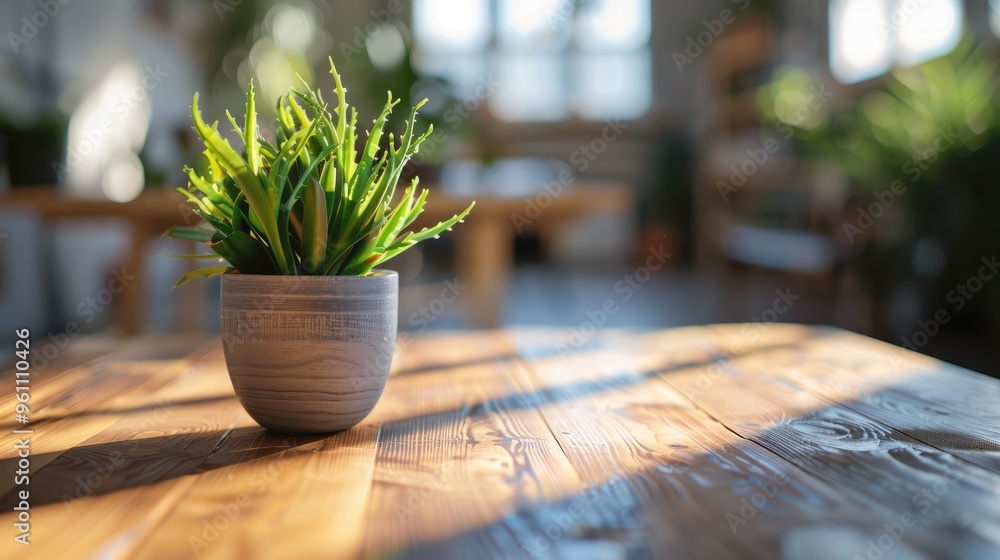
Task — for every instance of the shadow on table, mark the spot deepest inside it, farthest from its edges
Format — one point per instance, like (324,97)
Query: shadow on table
(682,505)
(93,470)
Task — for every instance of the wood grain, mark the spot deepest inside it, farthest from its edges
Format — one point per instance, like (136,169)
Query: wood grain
(709,442)
(309,354)
(871,463)
(668,469)
(459,450)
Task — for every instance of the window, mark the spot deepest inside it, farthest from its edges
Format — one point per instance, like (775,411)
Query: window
(551,59)
(868,36)
(995,17)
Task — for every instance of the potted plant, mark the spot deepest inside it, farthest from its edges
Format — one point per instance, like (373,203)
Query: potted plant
(300,227)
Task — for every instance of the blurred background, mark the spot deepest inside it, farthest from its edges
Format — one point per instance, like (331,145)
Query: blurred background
(637,163)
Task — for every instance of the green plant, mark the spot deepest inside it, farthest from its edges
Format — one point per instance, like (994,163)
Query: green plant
(311,203)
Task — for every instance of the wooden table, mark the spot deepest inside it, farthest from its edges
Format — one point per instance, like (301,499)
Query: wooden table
(484,245)
(711,442)
(148,216)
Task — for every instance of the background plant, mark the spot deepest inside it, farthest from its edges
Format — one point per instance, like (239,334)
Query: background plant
(310,203)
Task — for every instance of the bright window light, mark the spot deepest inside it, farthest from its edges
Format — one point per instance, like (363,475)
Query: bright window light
(616,24)
(536,23)
(995,17)
(451,24)
(868,36)
(926,29)
(611,86)
(107,128)
(859,42)
(386,47)
(543,60)
(292,26)
(465,73)
(532,88)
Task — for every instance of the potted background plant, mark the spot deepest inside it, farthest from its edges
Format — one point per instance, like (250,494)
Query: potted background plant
(301,225)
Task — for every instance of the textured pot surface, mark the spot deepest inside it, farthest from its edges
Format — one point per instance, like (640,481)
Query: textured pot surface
(309,353)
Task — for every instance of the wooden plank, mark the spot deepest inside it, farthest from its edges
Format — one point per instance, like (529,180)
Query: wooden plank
(459,451)
(78,351)
(81,402)
(435,351)
(114,379)
(677,481)
(304,501)
(105,526)
(74,358)
(139,439)
(140,448)
(654,445)
(904,390)
(952,505)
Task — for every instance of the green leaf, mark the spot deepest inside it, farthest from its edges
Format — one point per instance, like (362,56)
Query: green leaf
(314,228)
(246,255)
(397,217)
(250,132)
(441,227)
(201,257)
(189,234)
(313,177)
(203,273)
(249,183)
(307,175)
(232,121)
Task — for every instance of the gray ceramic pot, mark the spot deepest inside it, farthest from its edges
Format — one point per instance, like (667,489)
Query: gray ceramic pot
(309,354)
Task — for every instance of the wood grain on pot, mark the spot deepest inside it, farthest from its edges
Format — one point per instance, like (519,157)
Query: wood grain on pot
(309,353)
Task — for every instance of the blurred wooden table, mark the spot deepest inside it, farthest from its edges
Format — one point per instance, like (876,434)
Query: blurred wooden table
(711,442)
(148,216)
(484,243)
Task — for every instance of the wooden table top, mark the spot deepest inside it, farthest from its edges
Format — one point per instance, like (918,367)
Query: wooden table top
(709,442)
